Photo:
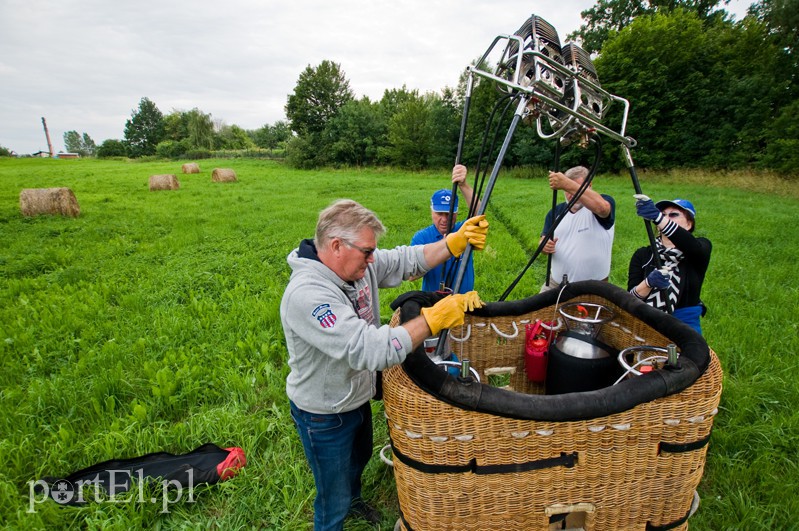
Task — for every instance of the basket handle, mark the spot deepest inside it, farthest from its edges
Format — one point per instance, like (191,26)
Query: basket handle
(566,508)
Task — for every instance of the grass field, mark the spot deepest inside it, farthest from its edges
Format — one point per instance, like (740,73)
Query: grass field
(150,323)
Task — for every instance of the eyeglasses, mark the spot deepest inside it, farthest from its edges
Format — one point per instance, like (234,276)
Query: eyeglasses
(367,253)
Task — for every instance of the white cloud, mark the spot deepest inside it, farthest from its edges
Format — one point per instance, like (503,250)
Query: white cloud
(85,64)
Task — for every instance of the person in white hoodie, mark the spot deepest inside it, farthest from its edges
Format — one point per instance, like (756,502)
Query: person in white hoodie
(330,314)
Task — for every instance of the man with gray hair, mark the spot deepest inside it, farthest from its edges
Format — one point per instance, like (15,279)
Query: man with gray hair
(331,319)
(582,243)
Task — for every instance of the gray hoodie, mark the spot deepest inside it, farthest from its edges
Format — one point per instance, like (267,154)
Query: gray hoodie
(333,334)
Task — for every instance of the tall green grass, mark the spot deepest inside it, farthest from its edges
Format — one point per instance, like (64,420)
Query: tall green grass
(151,323)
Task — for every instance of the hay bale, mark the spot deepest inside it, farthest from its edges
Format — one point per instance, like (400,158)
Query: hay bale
(165,181)
(54,201)
(191,167)
(223,175)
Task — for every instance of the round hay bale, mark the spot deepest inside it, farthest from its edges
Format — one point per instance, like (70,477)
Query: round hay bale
(54,201)
(223,175)
(165,181)
(191,167)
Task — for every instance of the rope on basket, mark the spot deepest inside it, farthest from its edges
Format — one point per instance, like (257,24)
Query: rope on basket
(507,336)
(463,338)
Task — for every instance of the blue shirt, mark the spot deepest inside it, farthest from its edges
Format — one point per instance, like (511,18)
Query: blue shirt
(449,269)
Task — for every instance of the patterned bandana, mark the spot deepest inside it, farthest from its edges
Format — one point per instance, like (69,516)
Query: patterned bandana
(670,257)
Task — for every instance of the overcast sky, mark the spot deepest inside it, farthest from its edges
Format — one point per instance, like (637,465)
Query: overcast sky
(84,65)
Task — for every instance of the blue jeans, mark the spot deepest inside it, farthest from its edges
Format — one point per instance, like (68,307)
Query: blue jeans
(690,315)
(338,447)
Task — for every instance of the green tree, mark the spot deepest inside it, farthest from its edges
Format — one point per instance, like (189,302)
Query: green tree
(660,63)
(83,145)
(272,136)
(112,148)
(280,134)
(393,100)
(782,149)
(702,93)
(356,133)
(5,152)
(607,17)
(233,137)
(200,129)
(782,19)
(176,126)
(444,124)
(528,149)
(194,129)
(144,130)
(88,145)
(319,94)
(409,134)
(782,135)
(390,104)
(752,87)
(72,142)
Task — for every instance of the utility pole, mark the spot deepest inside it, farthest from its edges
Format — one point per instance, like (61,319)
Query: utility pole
(47,134)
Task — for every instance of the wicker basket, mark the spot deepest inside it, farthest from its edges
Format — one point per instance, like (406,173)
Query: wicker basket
(636,467)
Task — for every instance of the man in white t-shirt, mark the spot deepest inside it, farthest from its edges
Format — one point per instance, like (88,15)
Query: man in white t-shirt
(582,242)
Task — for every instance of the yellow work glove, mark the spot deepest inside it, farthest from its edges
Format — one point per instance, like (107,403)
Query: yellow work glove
(472,231)
(448,312)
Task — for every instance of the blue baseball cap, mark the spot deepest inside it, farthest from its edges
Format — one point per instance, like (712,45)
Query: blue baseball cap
(682,204)
(441,199)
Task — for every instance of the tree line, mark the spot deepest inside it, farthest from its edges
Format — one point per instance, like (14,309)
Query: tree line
(187,134)
(705,91)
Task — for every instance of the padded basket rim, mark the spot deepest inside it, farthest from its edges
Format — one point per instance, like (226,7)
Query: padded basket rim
(694,360)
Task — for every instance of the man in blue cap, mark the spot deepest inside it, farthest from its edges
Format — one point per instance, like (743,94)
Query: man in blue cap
(439,210)
(677,285)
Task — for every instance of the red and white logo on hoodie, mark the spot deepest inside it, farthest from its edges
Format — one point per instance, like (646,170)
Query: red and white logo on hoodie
(324,315)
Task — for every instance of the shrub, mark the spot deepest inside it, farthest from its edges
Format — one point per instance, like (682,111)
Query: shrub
(305,152)
(112,148)
(173,149)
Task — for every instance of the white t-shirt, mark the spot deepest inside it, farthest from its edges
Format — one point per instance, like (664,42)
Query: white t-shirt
(583,249)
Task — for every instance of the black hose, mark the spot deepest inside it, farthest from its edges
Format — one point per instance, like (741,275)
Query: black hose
(649,231)
(448,273)
(556,168)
